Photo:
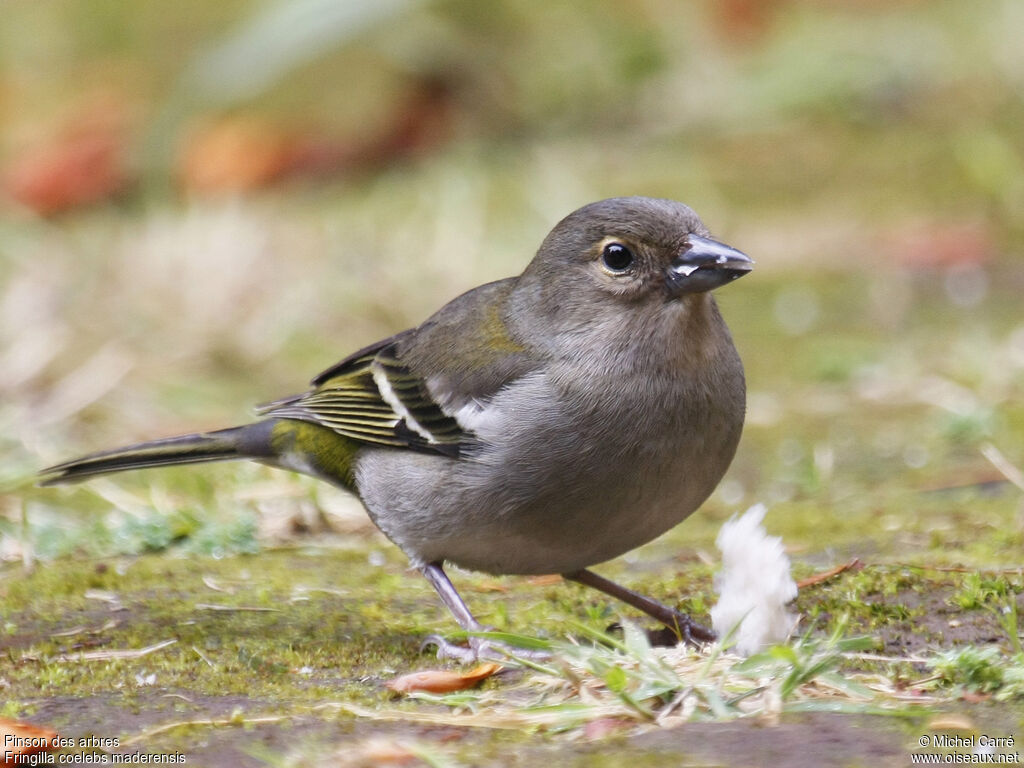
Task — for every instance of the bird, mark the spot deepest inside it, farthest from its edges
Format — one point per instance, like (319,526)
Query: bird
(539,424)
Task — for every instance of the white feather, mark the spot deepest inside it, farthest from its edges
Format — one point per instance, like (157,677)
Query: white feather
(492,419)
(476,417)
(754,584)
(380,378)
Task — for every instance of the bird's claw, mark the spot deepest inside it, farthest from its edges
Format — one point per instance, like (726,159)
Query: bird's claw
(692,633)
(448,650)
(683,630)
(479,649)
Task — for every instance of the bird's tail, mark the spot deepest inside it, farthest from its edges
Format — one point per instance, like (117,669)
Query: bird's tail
(251,441)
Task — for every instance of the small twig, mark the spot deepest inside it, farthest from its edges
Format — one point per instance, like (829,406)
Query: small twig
(302,593)
(679,699)
(920,699)
(103,595)
(1000,462)
(1017,569)
(251,609)
(69,632)
(496,721)
(111,655)
(823,576)
(209,582)
(880,657)
(201,656)
(110,624)
(176,696)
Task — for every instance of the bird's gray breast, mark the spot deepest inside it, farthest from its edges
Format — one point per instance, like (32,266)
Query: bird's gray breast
(564,474)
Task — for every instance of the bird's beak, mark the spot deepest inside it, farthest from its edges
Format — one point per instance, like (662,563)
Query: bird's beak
(704,265)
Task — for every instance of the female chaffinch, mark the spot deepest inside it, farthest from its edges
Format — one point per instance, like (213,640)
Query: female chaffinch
(538,424)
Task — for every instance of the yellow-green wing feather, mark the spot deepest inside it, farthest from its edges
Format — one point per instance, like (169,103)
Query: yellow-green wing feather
(373,398)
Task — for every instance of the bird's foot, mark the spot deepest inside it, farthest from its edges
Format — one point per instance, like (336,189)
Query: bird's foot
(448,650)
(480,649)
(681,626)
(688,631)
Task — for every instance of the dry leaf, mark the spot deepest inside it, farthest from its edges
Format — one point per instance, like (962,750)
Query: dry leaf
(442,680)
(21,739)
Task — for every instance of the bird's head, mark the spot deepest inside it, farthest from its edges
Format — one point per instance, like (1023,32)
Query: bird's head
(637,248)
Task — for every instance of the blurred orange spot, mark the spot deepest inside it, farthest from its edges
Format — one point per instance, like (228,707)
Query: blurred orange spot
(603,727)
(974,697)
(744,21)
(490,586)
(242,153)
(79,164)
(941,243)
(382,751)
(234,154)
(546,580)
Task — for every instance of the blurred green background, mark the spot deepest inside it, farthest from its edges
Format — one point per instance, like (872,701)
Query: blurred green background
(206,203)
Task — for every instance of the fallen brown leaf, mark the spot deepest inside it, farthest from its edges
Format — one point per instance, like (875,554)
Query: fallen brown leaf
(21,739)
(442,680)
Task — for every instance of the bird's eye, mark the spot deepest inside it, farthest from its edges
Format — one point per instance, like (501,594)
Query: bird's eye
(617,257)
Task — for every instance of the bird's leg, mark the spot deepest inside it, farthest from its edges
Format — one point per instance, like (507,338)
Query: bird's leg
(479,648)
(450,597)
(685,628)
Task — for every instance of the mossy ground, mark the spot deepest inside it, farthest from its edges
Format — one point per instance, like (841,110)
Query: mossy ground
(285,633)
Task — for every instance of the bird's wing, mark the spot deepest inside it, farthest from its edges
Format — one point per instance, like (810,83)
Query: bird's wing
(357,358)
(373,398)
(405,390)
